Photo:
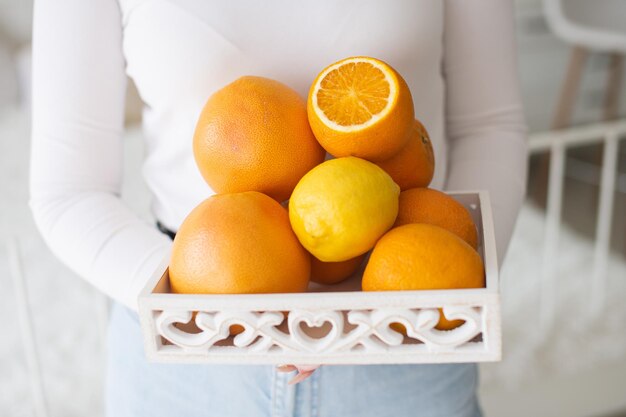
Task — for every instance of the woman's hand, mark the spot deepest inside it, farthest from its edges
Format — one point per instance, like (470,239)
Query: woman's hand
(304,371)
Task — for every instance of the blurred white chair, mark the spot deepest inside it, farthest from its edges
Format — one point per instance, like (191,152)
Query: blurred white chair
(589,25)
(25,318)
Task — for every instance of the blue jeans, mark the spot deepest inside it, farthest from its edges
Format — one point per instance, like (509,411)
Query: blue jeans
(137,388)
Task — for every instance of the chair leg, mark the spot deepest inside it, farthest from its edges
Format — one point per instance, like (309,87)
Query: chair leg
(25,318)
(569,88)
(562,118)
(613,86)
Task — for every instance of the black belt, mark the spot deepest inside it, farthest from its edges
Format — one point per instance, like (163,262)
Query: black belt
(165,230)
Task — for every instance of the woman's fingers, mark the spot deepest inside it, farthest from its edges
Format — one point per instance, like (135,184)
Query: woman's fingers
(304,371)
(306,368)
(301,376)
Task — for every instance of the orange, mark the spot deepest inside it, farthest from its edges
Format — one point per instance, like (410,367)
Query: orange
(362,107)
(414,165)
(423,257)
(334,272)
(425,205)
(253,135)
(237,244)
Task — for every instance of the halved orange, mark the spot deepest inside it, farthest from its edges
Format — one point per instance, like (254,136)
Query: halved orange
(362,107)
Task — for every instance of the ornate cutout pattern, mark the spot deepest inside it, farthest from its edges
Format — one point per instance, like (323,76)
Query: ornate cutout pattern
(363,330)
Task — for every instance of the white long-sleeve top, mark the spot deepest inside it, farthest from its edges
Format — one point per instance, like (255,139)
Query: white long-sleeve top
(457,56)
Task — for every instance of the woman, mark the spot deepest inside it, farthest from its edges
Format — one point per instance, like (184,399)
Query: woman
(458,58)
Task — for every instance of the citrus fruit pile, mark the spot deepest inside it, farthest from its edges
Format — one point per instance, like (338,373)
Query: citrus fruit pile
(284,214)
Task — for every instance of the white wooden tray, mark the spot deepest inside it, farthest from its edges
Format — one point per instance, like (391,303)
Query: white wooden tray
(330,324)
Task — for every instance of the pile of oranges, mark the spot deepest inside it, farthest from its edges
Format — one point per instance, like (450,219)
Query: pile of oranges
(283,215)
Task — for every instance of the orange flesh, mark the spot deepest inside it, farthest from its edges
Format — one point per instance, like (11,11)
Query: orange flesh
(351,94)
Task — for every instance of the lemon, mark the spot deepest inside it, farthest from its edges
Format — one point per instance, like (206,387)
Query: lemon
(341,208)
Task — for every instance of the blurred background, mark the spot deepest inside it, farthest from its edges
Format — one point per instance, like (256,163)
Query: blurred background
(563,283)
